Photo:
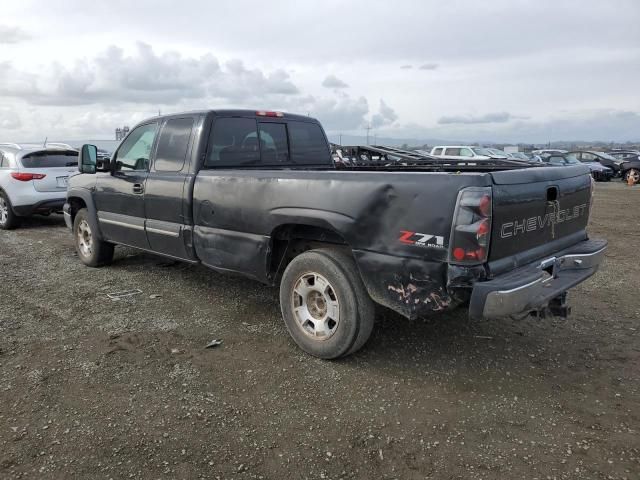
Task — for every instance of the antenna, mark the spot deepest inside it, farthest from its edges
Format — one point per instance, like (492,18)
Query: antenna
(45,141)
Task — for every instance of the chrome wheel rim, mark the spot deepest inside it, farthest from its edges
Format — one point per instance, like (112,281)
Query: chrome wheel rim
(4,211)
(634,175)
(315,305)
(85,239)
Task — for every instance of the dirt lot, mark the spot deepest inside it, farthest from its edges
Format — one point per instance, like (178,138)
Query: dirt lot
(95,388)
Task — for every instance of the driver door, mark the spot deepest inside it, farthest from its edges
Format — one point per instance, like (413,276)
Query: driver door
(120,193)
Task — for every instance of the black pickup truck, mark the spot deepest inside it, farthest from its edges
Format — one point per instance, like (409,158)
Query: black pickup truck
(257,193)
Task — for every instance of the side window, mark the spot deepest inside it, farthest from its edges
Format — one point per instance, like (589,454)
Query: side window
(135,151)
(465,152)
(437,151)
(308,145)
(556,160)
(234,141)
(454,152)
(2,161)
(173,144)
(273,143)
(588,157)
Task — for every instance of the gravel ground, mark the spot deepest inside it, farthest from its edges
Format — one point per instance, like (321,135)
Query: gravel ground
(95,388)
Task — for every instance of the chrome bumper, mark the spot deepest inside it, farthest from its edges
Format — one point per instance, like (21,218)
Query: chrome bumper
(532,287)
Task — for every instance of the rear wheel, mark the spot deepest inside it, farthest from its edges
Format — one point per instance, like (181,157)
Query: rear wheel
(8,219)
(325,305)
(91,250)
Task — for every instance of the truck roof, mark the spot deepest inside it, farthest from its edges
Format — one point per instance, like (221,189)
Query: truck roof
(237,112)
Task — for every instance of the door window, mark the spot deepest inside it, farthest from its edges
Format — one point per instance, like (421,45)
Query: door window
(454,152)
(466,152)
(135,151)
(173,144)
(588,157)
(437,151)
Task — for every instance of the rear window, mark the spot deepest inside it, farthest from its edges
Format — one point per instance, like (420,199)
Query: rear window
(308,144)
(234,141)
(50,159)
(273,143)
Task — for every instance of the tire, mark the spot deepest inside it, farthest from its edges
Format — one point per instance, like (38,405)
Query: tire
(8,219)
(92,251)
(334,315)
(634,173)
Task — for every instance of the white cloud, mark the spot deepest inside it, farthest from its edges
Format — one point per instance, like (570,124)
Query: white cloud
(386,116)
(143,77)
(497,117)
(11,34)
(331,81)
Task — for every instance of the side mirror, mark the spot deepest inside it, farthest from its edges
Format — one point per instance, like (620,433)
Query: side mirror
(103,165)
(87,159)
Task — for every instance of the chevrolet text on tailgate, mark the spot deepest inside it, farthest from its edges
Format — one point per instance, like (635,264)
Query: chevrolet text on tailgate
(257,193)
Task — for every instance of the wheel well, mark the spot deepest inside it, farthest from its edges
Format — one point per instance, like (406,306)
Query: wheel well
(289,241)
(76,204)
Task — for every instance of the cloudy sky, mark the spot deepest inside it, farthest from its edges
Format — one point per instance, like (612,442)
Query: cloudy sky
(502,70)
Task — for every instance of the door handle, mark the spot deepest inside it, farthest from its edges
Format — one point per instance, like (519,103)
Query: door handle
(138,188)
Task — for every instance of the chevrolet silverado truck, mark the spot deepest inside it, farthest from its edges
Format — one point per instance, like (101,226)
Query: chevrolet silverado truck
(256,193)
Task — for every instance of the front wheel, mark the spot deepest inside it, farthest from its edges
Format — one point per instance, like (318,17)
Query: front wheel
(325,305)
(91,250)
(8,219)
(633,175)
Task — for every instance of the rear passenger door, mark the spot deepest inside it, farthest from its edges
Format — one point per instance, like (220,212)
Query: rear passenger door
(167,203)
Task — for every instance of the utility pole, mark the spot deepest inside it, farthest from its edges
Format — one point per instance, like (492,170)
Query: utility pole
(368,128)
(340,142)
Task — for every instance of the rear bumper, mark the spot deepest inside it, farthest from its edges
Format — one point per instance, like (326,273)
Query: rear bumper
(44,206)
(532,287)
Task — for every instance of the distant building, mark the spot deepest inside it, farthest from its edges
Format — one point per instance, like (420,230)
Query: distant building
(122,132)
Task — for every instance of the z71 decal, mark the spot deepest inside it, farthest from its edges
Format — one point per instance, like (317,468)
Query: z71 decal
(421,239)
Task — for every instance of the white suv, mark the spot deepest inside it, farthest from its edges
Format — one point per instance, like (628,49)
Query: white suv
(33,179)
(462,152)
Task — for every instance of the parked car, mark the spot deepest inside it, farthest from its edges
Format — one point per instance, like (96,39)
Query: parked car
(496,153)
(519,156)
(257,193)
(548,151)
(464,152)
(630,168)
(624,154)
(599,172)
(33,180)
(603,158)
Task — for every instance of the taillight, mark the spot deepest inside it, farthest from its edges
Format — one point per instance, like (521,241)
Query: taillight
(263,113)
(26,177)
(471,230)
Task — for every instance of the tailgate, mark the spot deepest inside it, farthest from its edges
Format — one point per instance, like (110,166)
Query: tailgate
(536,209)
(55,165)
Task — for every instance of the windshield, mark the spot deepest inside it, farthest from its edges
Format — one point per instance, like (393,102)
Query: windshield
(50,159)
(482,151)
(606,156)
